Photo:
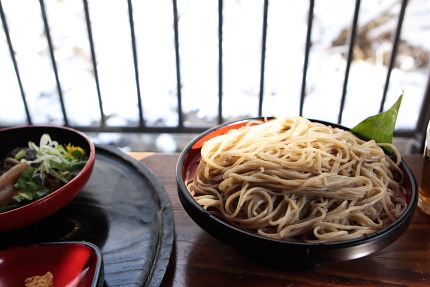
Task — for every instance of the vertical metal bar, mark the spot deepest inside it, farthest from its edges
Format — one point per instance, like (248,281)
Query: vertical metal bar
(263,57)
(136,69)
(220,60)
(54,63)
(178,68)
(15,65)
(350,57)
(94,61)
(307,50)
(396,42)
(423,119)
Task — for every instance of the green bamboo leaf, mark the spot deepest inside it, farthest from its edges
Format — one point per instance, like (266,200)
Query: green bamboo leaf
(379,127)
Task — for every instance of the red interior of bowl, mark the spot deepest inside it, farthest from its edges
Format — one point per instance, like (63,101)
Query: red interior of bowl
(72,264)
(218,132)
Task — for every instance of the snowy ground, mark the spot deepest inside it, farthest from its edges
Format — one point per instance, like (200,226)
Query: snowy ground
(198,24)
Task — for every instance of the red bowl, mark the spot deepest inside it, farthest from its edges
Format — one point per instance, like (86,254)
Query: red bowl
(39,209)
(71,264)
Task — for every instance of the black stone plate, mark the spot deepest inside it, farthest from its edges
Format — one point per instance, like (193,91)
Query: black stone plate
(124,210)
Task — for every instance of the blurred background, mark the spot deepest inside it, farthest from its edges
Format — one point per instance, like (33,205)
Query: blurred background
(150,75)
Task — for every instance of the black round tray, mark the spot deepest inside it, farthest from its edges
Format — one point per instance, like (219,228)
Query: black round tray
(124,210)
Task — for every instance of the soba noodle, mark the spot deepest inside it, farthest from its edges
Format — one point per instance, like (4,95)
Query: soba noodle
(297,180)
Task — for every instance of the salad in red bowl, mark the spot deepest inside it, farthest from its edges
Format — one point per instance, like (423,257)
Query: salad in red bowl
(42,168)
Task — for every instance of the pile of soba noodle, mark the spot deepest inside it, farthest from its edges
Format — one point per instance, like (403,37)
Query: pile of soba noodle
(297,180)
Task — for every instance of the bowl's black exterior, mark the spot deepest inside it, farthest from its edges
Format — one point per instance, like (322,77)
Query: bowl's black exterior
(282,254)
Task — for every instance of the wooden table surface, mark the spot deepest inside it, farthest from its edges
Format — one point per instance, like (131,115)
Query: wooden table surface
(198,259)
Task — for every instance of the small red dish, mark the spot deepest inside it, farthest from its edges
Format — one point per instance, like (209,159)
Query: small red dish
(77,264)
(39,209)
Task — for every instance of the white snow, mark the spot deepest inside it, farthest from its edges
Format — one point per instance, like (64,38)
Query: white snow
(198,30)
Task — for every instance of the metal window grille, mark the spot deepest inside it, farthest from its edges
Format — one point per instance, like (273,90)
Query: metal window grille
(181,127)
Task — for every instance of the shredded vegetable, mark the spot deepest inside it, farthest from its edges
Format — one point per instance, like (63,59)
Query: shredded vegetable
(55,160)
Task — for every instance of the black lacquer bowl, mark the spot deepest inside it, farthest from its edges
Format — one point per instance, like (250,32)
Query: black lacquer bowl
(293,256)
